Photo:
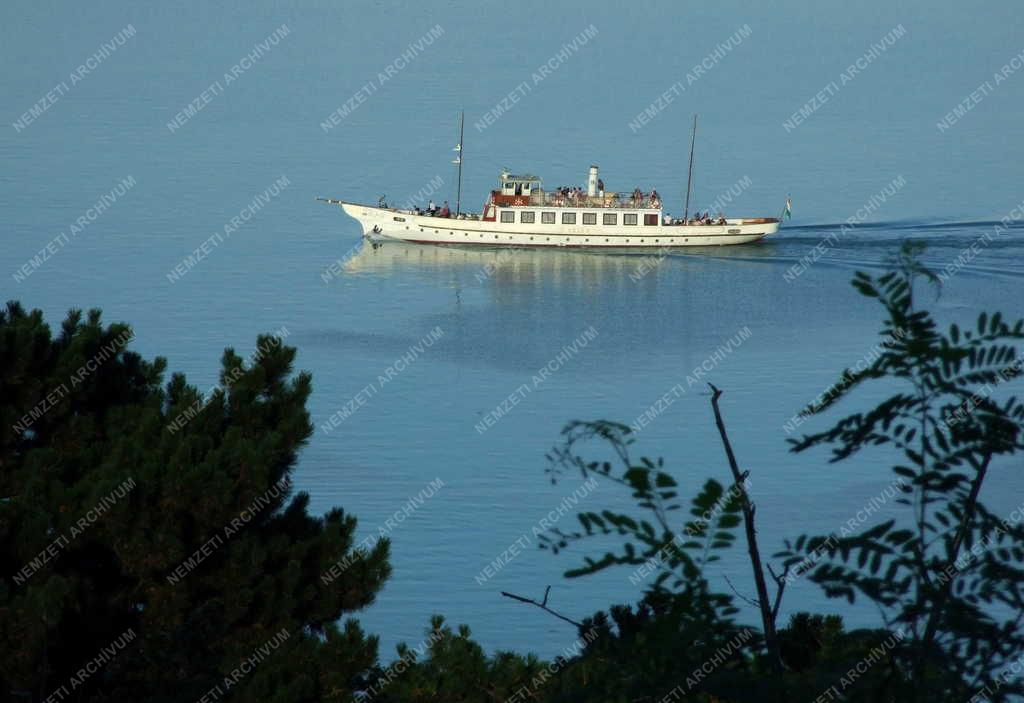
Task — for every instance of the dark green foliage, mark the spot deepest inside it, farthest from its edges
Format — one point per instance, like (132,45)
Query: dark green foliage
(952,581)
(806,638)
(667,542)
(220,479)
(628,654)
(680,642)
(449,666)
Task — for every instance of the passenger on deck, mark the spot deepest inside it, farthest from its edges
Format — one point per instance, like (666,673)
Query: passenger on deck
(668,219)
(445,212)
(600,187)
(431,207)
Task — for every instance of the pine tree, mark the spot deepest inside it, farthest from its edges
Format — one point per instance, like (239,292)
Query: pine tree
(153,547)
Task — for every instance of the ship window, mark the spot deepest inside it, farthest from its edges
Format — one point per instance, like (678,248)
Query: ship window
(398,219)
(527,217)
(547,218)
(629,218)
(590,218)
(568,218)
(650,220)
(611,218)
(508,216)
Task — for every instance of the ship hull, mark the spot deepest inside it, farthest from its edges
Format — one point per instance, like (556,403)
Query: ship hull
(386,223)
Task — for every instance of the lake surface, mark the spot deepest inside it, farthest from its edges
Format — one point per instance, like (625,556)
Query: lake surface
(482,324)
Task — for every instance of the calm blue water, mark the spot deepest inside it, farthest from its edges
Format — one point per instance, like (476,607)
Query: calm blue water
(499,330)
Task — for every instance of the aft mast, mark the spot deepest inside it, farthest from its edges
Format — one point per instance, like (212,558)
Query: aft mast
(458,160)
(689,175)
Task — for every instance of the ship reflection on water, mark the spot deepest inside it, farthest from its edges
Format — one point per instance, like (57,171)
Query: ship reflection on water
(509,266)
(509,307)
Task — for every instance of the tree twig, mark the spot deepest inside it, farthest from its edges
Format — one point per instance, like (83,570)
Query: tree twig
(542,605)
(767,620)
(780,582)
(748,599)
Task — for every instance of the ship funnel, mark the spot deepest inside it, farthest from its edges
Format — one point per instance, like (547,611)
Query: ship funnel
(592,182)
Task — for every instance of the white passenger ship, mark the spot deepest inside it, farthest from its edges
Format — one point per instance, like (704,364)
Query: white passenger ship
(521,213)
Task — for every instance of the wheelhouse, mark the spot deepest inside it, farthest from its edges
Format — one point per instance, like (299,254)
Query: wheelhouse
(512,185)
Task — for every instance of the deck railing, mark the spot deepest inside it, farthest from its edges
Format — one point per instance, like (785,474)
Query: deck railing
(608,200)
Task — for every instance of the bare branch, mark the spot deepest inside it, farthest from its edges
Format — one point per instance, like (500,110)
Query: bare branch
(767,618)
(780,582)
(748,599)
(542,606)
